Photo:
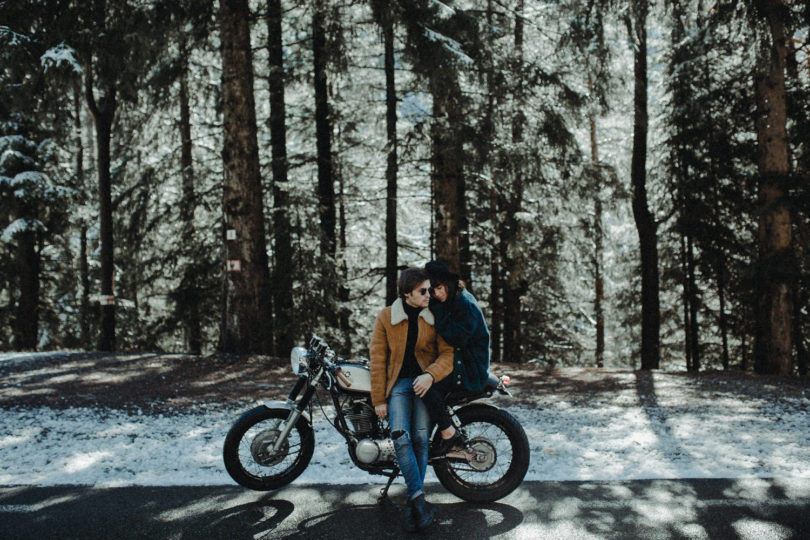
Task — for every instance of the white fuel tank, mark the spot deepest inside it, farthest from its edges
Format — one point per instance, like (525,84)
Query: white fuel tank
(358,375)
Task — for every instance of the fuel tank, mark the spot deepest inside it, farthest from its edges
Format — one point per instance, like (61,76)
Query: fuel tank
(358,375)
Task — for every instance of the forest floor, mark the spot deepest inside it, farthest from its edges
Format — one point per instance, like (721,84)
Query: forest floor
(165,383)
(160,419)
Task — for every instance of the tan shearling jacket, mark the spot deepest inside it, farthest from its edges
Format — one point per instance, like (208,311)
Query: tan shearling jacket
(387,349)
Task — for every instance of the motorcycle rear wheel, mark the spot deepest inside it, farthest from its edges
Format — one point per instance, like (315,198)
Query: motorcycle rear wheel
(248,454)
(500,441)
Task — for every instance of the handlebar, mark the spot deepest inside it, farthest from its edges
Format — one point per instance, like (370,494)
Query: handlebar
(326,356)
(339,374)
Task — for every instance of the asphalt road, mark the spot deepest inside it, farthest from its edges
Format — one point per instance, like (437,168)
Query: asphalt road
(759,509)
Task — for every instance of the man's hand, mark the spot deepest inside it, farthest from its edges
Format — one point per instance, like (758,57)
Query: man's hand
(381,410)
(422,384)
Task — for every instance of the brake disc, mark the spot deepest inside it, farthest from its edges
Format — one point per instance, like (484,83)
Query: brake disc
(262,448)
(484,455)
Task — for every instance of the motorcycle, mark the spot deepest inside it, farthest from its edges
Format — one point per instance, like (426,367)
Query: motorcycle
(271,445)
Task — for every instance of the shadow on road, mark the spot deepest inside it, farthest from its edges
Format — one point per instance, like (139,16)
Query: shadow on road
(753,508)
(455,520)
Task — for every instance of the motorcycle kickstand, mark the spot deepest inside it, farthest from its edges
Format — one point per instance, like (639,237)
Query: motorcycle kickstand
(383,499)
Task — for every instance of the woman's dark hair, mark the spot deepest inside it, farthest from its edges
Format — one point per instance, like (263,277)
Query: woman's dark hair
(440,274)
(454,288)
(409,279)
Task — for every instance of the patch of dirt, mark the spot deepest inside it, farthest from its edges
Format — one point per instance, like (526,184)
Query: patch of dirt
(147,382)
(168,383)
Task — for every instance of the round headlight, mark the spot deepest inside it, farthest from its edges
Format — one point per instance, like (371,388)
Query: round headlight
(297,357)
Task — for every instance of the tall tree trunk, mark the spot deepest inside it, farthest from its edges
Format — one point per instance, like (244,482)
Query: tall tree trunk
(801,351)
(391,169)
(283,253)
(448,175)
(773,345)
(344,313)
(326,176)
(84,283)
(645,222)
(103,113)
(721,294)
(692,296)
(496,281)
(323,131)
(191,295)
(599,284)
(84,268)
(26,323)
(496,292)
(247,320)
(464,253)
(515,284)
(687,321)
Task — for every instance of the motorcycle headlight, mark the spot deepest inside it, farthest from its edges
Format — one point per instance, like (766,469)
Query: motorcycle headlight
(298,358)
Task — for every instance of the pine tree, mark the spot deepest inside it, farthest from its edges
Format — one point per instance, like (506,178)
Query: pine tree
(247,311)
(439,47)
(515,282)
(774,335)
(33,197)
(384,13)
(645,222)
(283,255)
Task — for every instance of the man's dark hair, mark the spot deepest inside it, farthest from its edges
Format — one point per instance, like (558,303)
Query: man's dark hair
(409,279)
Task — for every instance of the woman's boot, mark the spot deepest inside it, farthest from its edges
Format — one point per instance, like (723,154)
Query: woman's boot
(409,519)
(424,512)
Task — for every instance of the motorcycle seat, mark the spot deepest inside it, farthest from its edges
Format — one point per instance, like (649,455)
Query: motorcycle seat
(462,395)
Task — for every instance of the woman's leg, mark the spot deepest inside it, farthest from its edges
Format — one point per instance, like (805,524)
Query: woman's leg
(434,401)
(400,412)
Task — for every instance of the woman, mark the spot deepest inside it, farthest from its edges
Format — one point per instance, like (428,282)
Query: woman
(460,321)
(407,357)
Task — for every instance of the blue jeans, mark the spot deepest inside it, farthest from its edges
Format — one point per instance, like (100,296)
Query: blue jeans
(409,421)
(434,401)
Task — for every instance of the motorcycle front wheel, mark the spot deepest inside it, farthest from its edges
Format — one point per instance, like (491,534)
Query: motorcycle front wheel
(248,451)
(500,456)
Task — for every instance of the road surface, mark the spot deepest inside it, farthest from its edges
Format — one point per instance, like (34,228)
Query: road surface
(750,508)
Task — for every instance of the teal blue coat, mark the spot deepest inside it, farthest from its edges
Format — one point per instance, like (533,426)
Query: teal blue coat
(462,326)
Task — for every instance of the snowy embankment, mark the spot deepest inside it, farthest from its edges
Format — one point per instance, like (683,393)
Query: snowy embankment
(673,432)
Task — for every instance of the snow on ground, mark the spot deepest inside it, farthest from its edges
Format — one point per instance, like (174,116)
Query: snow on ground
(14,358)
(675,433)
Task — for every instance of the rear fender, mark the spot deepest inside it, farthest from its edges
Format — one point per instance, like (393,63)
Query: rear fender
(471,407)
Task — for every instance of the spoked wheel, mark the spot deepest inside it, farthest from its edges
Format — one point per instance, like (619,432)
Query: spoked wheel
(496,460)
(249,452)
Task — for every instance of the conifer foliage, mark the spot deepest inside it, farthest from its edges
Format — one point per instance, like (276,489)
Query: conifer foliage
(618,183)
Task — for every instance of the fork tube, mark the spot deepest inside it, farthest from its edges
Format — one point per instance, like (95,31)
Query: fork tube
(299,384)
(295,413)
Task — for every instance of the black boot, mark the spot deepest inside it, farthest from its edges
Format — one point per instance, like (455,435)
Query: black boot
(454,443)
(424,512)
(409,519)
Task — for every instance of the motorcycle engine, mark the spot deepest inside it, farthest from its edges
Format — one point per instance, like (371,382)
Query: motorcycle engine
(362,417)
(369,449)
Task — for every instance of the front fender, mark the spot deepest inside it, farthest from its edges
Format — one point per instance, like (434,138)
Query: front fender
(278,404)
